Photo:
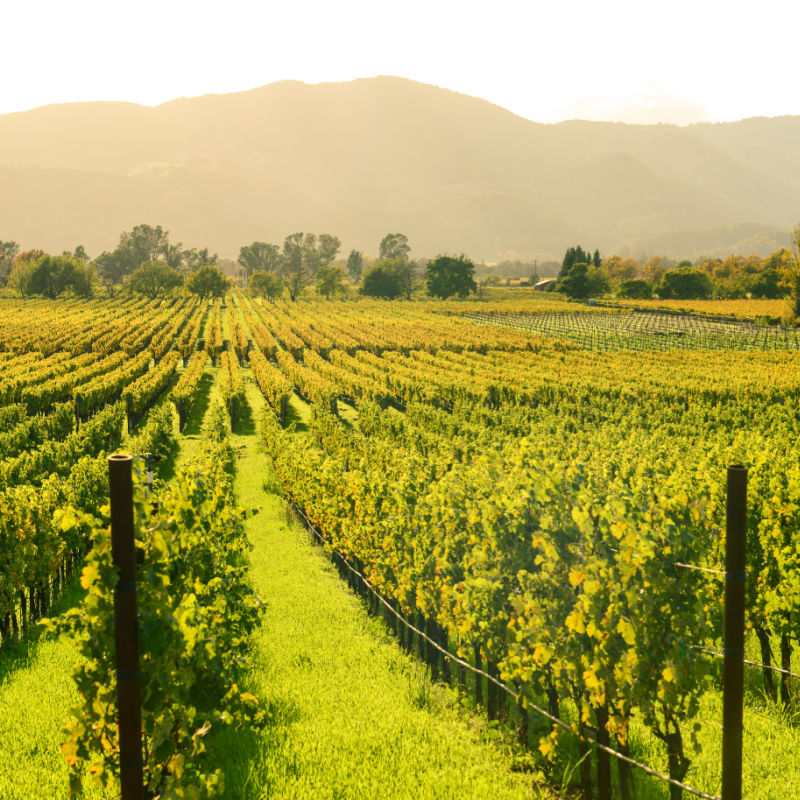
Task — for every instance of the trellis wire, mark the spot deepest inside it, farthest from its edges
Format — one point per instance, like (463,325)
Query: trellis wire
(639,330)
(499,684)
(682,565)
(751,663)
(710,570)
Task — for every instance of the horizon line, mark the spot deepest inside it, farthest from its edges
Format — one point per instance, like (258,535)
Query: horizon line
(607,121)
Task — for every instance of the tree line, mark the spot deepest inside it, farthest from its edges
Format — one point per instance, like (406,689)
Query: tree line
(736,277)
(147,262)
(306,259)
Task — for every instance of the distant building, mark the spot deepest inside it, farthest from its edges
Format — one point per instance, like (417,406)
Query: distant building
(547,285)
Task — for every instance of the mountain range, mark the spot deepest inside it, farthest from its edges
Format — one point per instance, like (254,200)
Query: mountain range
(378,155)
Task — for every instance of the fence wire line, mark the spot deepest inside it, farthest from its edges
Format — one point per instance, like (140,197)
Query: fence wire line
(710,570)
(746,661)
(500,684)
(683,565)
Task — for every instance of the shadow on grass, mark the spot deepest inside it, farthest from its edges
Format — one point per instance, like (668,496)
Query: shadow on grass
(165,469)
(254,759)
(293,416)
(16,654)
(245,422)
(194,421)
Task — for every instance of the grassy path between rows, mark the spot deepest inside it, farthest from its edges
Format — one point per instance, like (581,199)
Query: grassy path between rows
(36,692)
(351,715)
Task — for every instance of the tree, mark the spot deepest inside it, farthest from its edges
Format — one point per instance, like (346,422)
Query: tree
(636,289)
(793,304)
(574,255)
(81,254)
(208,281)
(154,278)
(446,276)
(767,285)
(394,249)
(575,282)
(382,281)
(295,270)
(407,272)
(654,268)
(49,276)
(355,264)
(620,269)
(302,257)
(781,260)
(330,281)
(582,281)
(257,256)
(112,269)
(8,252)
(265,284)
(685,283)
(28,255)
(193,259)
(394,245)
(146,243)
(327,249)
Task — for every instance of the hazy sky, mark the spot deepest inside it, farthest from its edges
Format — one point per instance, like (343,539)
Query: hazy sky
(629,60)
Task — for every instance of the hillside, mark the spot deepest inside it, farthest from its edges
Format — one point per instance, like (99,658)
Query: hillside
(362,158)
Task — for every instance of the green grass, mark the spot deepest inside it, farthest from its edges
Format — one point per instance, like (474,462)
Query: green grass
(36,691)
(351,715)
(771,770)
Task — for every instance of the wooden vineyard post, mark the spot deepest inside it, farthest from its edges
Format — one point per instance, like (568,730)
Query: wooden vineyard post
(126,628)
(733,664)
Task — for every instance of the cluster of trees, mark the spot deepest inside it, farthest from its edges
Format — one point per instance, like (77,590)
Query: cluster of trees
(38,273)
(145,261)
(577,255)
(147,246)
(306,259)
(394,274)
(154,278)
(582,275)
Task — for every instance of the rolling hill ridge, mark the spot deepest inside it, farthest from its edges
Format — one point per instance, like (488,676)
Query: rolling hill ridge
(363,158)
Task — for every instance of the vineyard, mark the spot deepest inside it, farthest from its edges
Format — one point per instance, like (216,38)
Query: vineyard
(531,496)
(646,331)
